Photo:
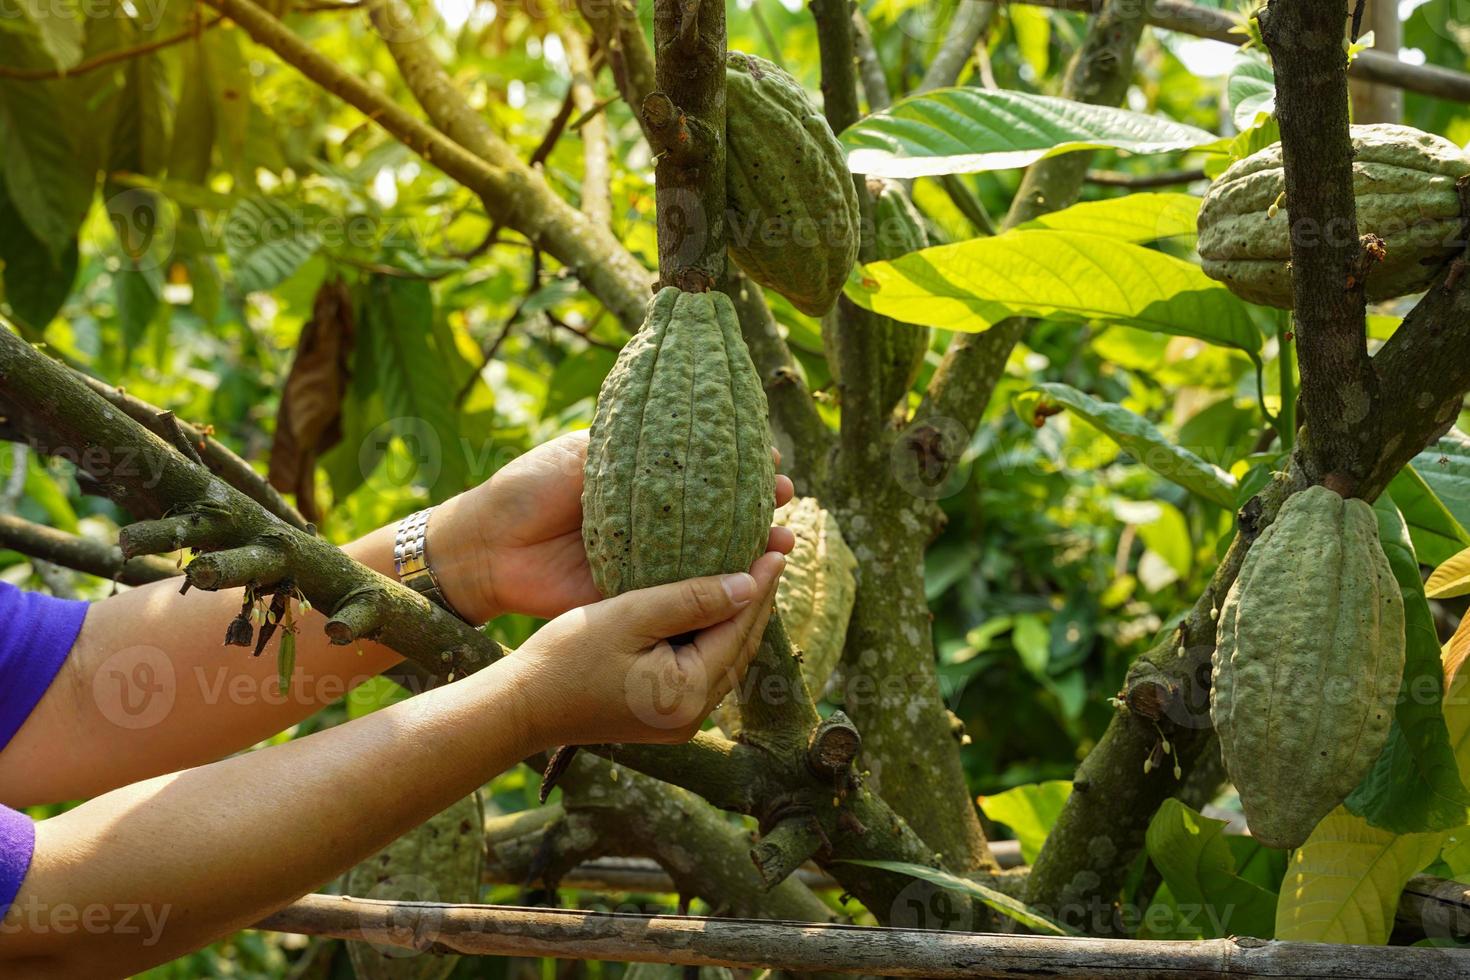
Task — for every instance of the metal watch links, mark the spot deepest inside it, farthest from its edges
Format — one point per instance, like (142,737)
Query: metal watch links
(411,559)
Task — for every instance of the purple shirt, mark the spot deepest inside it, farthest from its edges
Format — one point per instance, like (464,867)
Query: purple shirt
(36,633)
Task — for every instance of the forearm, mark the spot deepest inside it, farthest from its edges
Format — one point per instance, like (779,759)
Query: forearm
(149,688)
(209,850)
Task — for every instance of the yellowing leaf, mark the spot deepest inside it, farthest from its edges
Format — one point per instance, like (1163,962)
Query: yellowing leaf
(1343,884)
(1450,579)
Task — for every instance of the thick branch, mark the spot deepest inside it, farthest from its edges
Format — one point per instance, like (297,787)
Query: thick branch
(133,463)
(689,135)
(1329,266)
(619,34)
(70,551)
(215,455)
(967,25)
(803,438)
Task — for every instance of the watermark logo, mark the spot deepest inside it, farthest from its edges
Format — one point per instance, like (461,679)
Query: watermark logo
(135,688)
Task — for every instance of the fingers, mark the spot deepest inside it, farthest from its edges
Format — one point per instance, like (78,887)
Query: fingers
(785,490)
(725,651)
(782,539)
(683,607)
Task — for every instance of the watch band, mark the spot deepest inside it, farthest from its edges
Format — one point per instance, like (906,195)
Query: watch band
(411,559)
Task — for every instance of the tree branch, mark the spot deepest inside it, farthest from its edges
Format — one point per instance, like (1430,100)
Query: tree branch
(615,25)
(967,25)
(685,120)
(1219,25)
(804,439)
(71,551)
(135,466)
(513,195)
(596,173)
(1329,266)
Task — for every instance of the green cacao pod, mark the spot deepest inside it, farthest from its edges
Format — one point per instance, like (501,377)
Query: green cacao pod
(440,860)
(814,597)
(1307,665)
(1404,185)
(817,589)
(679,480)
(898,229)
(794,223)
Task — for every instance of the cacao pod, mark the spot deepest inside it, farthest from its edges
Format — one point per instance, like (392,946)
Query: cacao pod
(1404,185)
(898,229)
(1307,664)
(815,597)
(794,224)
(440,860)
(679,480)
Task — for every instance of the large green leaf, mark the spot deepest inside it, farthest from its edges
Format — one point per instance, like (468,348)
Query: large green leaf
(1250,89)
(52,30)
(1194,857)
(267,240)
(1138,437)
(417,385)
(47,170)
(963,130)
(36,282)
(1415,783)
(970,286)
(1138,218)
(1436,534)
(999,901)
(1030,811)
(1343,884)
(1445,466)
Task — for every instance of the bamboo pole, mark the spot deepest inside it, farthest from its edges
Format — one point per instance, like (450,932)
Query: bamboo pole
(490,930)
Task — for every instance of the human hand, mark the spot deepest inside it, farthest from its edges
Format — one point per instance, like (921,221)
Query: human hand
(514,544)
(605,672)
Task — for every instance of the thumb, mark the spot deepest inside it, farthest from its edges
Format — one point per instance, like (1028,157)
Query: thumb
(683,607)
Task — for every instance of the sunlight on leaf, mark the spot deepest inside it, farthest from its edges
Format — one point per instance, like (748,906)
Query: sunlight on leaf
(999,901)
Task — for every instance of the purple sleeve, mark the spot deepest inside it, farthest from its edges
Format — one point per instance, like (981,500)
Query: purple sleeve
(36,633)
(17,841)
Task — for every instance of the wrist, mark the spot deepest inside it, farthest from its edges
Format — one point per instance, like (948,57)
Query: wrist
(516,678)
(460,557)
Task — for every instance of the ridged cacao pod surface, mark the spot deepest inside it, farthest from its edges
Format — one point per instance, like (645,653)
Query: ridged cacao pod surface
(817,590)
(679,480)
(1307,665)
(441,860)
(1404,185)
(794,221)
(898,229)
(814,597)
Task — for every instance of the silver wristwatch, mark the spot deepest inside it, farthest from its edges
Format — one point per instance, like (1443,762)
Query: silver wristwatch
(411,559)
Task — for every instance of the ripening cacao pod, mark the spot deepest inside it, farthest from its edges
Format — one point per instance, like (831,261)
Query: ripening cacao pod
(898,229)
(794,223)
(440,860)
(1307,665)
(1404,185)
(815,597)
(679,480)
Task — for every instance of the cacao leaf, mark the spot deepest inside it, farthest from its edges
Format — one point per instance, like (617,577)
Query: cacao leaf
(971,286)
(1136,435)
(1343,884)
(36,283)
(1445,466)
(1436,534)
(964,130)
(1030,811)
(1195,859)
(1415,784)
(1137,218)
(998,901)
(1450,579)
